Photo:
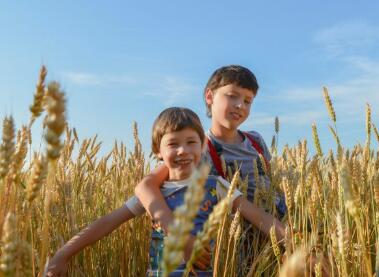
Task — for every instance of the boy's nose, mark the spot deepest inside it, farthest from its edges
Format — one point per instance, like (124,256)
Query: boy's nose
(182,149)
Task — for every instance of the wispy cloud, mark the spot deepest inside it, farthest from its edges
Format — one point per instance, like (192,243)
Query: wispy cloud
(169,90)
(347,38)
(173,90)
(91,79)
(348,45)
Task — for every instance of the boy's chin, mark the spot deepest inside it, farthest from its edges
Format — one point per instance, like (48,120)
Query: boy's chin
(182,175)
(232,125)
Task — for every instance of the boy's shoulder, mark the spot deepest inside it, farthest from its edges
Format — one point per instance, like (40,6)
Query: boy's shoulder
(254,134)
(257,136)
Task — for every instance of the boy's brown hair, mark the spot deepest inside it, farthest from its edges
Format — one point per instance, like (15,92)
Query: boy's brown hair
(172,120)
(231,74)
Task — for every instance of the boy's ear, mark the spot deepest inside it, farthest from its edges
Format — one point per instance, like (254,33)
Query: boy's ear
(209,96)
(159,156)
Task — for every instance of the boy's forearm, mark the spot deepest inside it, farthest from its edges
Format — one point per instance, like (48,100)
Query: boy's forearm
(148,192)
(259,218)
(94,232)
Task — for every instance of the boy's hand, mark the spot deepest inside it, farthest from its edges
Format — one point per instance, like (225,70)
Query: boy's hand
(57,265)
(204,259)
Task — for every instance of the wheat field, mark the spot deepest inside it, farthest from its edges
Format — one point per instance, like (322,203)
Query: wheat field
(48,196)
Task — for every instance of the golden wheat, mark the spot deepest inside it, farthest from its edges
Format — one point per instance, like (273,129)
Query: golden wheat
(37,107)
(332,202)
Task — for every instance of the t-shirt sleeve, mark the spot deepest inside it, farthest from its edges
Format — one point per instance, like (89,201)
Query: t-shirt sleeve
(223,188)
(135,206)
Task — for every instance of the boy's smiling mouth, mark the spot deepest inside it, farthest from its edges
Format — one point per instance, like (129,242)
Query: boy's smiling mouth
(183,161)
(236,115)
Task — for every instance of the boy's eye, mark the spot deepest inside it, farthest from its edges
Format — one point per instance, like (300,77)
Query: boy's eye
(248,102)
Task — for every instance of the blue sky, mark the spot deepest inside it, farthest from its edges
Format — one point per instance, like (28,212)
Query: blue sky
(121,61)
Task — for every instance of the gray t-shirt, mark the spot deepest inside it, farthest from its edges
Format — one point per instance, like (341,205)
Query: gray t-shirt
(243,154)
(169,188)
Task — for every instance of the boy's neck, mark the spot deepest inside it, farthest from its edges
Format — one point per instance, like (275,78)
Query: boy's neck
(227,135)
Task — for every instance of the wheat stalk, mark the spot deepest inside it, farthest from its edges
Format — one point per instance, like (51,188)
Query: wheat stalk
(341,245)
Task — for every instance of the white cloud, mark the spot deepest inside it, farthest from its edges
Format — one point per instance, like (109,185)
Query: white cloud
(173,90)
(349,98)
(348,45)
(170,90)
(347,37)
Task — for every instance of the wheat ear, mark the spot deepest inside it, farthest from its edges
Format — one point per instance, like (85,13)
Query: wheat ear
(329,105)
(9,246)
(275,245)
(209,230)
(179,230)
(37,178)
(7,147)
(376,132)
(55,121)
(316,140)
(368,125)
(37,107)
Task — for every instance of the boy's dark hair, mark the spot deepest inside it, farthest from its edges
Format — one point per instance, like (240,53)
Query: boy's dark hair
(172,120)
(231,74)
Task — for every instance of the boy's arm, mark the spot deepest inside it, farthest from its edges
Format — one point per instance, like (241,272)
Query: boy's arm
(259,218)
(95,231)
(148,192)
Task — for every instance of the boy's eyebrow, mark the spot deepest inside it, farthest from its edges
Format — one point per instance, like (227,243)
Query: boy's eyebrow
(234,91)
(174,138)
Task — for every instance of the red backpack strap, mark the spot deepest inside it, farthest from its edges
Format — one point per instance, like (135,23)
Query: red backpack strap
(257,147)
(215,158)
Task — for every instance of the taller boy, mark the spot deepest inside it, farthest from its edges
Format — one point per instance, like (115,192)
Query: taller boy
(228,96)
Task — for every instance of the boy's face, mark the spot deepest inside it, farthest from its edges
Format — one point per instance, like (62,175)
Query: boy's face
(181,152)
(230,105)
